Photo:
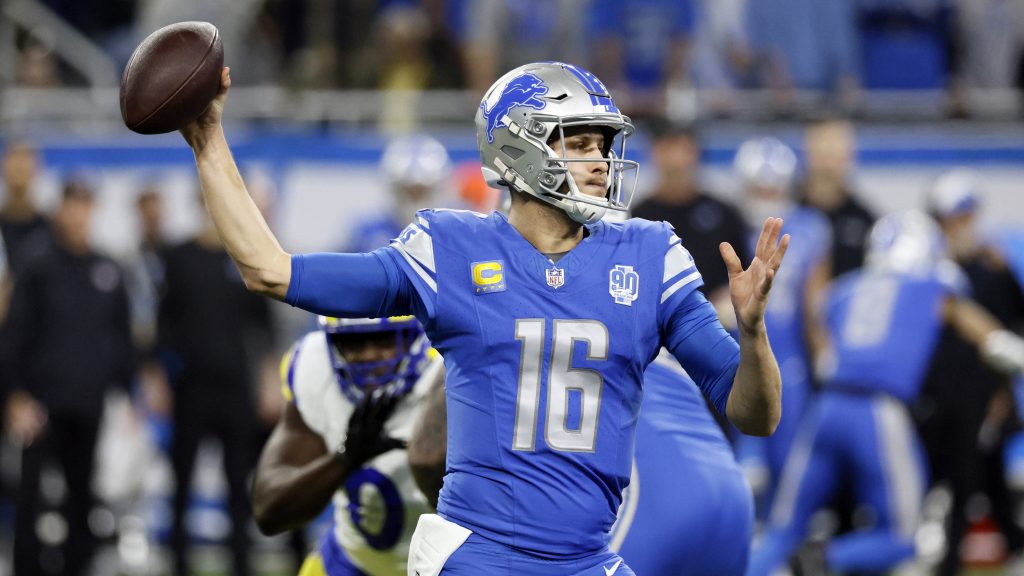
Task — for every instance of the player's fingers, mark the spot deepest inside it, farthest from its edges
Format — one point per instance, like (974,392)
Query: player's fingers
(732,261)
(773,236)
(766,283)
(780,252)
(762,239)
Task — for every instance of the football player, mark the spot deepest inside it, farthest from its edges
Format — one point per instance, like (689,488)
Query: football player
(686,496)
(546,320)
(883,322)
(766,167)
(354,389)
(415,167)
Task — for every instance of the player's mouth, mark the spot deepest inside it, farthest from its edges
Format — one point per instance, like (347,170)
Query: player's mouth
(595,187)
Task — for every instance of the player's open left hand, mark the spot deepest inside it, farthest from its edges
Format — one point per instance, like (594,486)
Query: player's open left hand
(197,132)
(366,437)
(749,288)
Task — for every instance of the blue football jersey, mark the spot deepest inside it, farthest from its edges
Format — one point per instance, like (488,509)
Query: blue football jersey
(884,328)
(544,367)
(688,494)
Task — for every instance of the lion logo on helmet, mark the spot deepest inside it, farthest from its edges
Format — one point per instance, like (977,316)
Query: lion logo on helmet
(524,90)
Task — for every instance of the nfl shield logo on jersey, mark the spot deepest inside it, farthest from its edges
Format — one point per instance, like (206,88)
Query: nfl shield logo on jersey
(556,277)
(623,284)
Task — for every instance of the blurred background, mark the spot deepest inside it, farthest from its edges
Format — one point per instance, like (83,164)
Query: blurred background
(879,100)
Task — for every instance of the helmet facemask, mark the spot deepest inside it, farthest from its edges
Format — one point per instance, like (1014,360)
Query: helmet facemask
(396,373)
(557,183)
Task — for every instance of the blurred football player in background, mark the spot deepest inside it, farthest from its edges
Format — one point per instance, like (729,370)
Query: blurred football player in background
(966,410)
(765,167)
(353,389)
(884,323)
(415,168)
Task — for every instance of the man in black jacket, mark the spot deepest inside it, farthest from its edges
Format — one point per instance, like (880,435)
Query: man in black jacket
(211,332)
(67,340)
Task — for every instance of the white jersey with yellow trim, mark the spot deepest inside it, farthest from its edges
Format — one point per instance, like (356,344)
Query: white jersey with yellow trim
(376,510)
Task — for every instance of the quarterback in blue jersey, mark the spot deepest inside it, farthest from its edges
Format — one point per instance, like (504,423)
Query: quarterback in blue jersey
(546,320)
(884,323)
(766,167)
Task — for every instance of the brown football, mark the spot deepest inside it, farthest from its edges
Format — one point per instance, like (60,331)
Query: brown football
(171,77)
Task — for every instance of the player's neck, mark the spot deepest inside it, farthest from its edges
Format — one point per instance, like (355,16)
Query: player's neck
(548,228)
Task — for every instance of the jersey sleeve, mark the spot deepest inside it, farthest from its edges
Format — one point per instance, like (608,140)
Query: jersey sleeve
(706,351)
(680,276)
(413,251)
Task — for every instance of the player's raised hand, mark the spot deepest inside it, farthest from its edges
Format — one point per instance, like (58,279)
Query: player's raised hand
(749,288)
(197,132)
(366,437)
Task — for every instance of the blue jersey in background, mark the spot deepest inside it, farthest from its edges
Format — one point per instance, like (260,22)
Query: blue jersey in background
(688,508)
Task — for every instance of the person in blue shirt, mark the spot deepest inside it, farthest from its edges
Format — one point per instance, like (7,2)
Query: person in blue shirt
(415,167)
(766,167)
(642,48)
(884,322)
(546,320)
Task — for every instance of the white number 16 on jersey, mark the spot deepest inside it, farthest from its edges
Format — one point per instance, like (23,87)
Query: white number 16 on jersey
(562,378)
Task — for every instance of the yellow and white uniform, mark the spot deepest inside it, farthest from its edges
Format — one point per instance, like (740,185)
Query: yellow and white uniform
(376,509)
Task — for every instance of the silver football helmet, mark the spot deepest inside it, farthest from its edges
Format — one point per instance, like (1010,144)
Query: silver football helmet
(765,161)
(909,242)
(518,117)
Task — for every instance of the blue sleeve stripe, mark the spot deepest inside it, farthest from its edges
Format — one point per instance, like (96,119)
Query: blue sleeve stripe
(414,264)
(685,280)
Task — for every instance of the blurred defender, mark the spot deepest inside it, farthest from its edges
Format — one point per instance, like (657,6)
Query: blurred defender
(884,323)
(336,440)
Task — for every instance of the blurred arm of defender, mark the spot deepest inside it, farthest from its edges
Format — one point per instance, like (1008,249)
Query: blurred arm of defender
(999,348)
(265,266)
(428,447)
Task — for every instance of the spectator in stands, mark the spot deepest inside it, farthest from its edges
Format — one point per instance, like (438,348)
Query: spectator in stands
(641,48)
(207,324)
(806,45)
(966,412)
(503,34)
(906,44)
(702,219)
(66,341)
(829,148)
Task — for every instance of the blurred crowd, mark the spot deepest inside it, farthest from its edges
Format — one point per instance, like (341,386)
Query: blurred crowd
(838,48)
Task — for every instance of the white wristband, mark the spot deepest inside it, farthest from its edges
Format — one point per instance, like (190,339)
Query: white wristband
(1004,351)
